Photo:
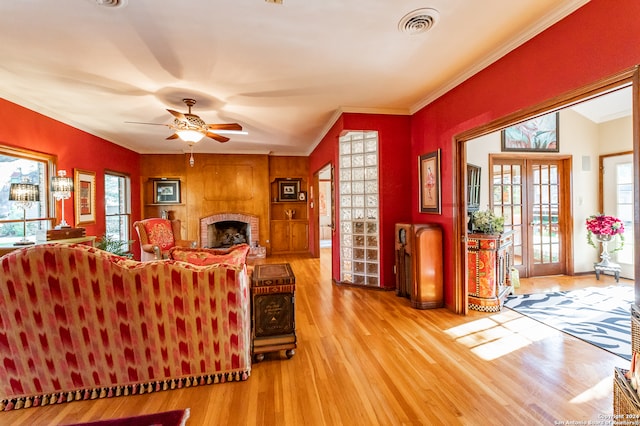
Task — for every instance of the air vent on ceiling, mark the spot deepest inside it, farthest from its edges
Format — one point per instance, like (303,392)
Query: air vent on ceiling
(418,21)
(111,3)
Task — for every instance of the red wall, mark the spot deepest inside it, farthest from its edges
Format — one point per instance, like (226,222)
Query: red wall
(598,40)
(23,128)
(395,192)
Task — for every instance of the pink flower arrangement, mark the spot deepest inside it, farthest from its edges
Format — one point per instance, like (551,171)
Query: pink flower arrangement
(608,226)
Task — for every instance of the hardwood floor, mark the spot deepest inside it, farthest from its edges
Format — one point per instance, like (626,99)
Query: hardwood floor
(366,357)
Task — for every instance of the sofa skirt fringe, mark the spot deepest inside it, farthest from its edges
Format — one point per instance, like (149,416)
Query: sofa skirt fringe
(121,390)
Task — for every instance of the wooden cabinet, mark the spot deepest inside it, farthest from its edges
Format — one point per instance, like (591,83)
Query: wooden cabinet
(489,259)
(289,236)
(273,325)
(419,264)
(289,230)
(289,227)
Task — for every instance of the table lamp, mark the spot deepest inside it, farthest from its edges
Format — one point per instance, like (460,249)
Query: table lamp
(61,187)
(24,194)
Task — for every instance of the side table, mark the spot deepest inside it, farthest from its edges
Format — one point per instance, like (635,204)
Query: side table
(273,326)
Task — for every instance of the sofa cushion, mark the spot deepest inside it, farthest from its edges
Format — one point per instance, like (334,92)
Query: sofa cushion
(236,255)
(160,233)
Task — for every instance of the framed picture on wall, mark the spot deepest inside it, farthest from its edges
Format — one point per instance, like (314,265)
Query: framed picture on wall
(429,172)
(166,191)
(84,184)
(540,134)
(288,189)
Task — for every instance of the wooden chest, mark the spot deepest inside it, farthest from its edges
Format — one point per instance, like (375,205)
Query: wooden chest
(273,310)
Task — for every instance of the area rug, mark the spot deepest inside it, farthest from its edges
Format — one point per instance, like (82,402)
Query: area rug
(166,418)
(598,315)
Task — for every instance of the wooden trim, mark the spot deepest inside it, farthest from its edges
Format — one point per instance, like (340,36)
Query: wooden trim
(599,88)
(636,178)
(460,261)
(601,159)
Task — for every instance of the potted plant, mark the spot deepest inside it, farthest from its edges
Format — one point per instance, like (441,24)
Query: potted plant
(115,246)
(605,228)
(486,222)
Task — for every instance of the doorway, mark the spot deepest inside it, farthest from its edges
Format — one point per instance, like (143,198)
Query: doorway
(583,199)
(326,224)
(617,200)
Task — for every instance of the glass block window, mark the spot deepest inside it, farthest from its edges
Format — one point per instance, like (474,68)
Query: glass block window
(359,201)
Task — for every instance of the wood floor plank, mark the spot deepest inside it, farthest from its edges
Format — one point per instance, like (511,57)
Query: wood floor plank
(365,357)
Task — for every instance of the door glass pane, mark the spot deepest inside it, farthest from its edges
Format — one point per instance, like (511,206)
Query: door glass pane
(545,213)
(624,209)
(507,201)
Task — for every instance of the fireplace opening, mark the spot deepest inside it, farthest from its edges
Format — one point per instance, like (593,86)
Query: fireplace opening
(228,233)
(246,224)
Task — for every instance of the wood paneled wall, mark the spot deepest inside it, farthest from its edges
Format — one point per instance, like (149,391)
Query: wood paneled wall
(218,183)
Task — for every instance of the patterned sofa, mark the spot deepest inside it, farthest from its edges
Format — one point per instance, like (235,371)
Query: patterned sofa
(80,323)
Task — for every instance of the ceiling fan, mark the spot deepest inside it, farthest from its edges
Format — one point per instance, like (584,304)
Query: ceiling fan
(191,128)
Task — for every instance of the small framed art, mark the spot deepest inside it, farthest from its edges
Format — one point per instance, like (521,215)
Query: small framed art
(539,134)
(429,172)
(166,191)
(84,183)
(288,189)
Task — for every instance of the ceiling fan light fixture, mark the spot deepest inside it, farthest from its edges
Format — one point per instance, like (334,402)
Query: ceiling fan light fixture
(190,136)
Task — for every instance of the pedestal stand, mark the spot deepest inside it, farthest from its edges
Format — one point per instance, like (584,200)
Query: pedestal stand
(605,264)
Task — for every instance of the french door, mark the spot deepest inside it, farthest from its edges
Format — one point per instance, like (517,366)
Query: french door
(530,193)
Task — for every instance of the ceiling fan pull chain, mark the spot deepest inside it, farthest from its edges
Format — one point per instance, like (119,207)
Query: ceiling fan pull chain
(191,160)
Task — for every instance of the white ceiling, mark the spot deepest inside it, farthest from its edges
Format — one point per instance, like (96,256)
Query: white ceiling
(282,71)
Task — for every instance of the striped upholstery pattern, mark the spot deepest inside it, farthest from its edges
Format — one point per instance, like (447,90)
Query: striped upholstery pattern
(77,323)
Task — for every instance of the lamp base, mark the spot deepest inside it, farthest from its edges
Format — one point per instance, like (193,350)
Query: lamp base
(61,226)
(23,243)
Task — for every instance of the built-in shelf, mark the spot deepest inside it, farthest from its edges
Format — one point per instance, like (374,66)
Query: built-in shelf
(287,202)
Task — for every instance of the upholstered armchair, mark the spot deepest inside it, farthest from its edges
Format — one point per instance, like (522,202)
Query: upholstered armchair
(157,236)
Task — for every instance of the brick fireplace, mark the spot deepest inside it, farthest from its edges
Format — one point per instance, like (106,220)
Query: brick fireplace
(225,229)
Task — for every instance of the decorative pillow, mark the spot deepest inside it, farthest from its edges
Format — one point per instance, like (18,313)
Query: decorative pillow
(236,255)
(160,233)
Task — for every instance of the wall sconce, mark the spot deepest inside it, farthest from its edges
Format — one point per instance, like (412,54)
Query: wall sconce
(24,195)
(61,187)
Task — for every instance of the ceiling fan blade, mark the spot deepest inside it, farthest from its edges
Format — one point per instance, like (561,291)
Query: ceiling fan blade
(141,122)
(173,136)
(178,115)
(225,126)
(217,137)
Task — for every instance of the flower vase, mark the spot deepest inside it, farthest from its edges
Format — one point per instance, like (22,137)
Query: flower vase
(604,255)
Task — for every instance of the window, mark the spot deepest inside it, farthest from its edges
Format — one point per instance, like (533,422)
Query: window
(624,208)
(17,166)
(359,246)
(117,201)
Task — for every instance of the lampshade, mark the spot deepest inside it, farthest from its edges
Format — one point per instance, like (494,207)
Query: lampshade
(61,183)
(191,136)
(24,192)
